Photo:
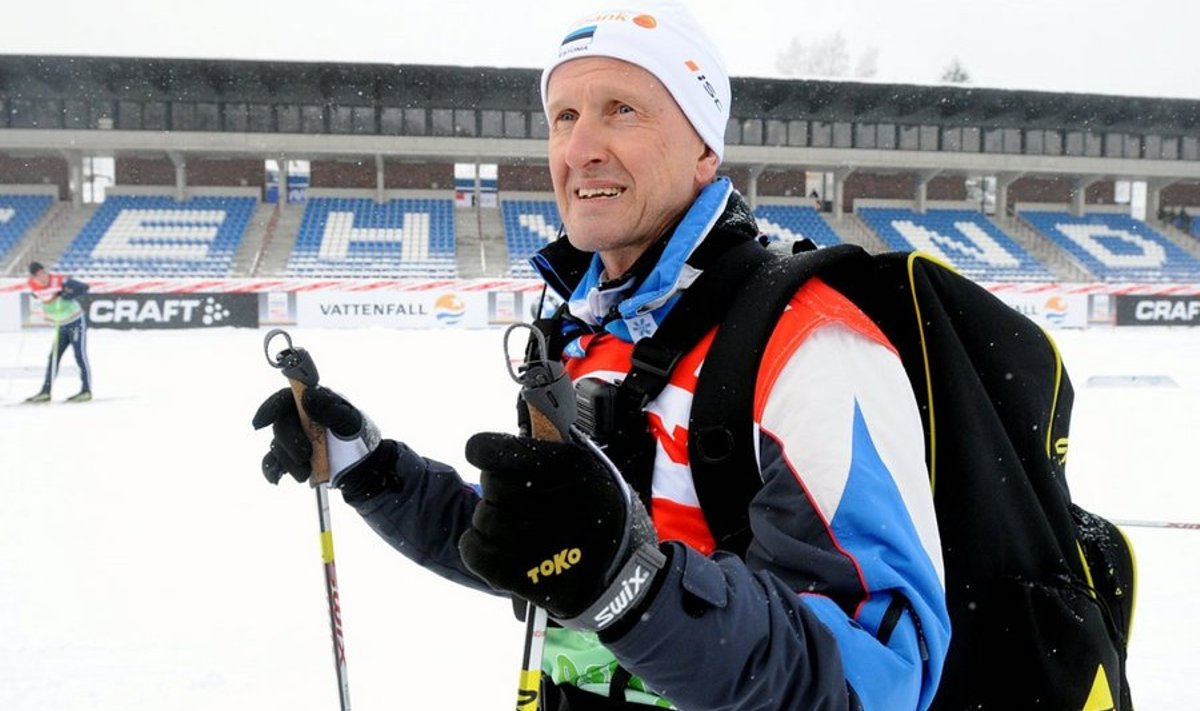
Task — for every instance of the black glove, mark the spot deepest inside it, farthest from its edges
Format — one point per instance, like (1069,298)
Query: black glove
(558,527)
(358,458)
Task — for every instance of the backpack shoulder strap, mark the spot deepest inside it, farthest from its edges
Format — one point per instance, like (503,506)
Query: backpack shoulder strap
(720,430)
(699,308)
(620,425)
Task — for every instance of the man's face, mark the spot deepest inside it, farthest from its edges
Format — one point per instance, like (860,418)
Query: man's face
(42,277)
(625,161)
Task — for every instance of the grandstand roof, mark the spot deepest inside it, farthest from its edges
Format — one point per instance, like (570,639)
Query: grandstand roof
(115,106)
(35,78)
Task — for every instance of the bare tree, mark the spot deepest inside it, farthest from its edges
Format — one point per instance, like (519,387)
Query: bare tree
(867,63)
(828,56)
(955,73)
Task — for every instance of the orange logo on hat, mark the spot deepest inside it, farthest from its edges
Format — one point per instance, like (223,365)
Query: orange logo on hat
(646,21)
(704,81)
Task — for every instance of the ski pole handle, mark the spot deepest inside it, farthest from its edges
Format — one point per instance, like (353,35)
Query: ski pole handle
(316,435)
(550,399)
(542,428)
(297,365)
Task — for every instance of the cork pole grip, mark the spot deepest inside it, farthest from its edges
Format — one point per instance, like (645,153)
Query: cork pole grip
(542,427)
(316,435)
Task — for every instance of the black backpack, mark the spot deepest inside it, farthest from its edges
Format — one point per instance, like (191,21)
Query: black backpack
(1040,592)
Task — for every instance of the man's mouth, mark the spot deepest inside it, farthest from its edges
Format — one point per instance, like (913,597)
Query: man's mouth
(594,193)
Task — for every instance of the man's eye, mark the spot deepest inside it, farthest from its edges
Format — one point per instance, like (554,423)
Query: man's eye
(624,109)
(565,116)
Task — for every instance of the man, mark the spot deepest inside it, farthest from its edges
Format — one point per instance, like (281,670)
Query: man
(839,602)
(58,294)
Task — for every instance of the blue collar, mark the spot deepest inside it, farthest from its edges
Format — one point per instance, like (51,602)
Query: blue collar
(642,311)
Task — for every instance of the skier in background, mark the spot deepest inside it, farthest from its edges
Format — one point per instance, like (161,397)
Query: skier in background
(58,294)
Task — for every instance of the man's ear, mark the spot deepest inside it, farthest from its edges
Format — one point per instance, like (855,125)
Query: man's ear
(706,166)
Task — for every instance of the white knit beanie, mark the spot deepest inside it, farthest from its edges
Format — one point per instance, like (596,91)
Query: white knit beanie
(664,39)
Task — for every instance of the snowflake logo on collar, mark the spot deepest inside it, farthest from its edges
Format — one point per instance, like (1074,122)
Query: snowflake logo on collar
(641,327)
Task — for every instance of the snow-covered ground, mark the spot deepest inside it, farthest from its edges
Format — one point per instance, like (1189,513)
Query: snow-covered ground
(146,564)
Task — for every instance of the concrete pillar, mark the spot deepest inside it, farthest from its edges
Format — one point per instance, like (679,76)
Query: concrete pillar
(74,177)
(921,189)
(1154,190)
(1079,186)
(839,189)
(380,183)
(283,182)
(478,186)
(1003,180)
(752,185)
(180,164)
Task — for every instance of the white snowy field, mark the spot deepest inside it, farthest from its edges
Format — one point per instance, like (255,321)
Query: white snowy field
(146,564)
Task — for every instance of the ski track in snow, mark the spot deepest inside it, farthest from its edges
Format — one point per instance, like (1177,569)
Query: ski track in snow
(146,564)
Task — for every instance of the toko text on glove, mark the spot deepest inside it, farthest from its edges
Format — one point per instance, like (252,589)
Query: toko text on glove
(558,526)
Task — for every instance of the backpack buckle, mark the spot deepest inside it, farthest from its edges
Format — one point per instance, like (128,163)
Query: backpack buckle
(653,359)
(652,366)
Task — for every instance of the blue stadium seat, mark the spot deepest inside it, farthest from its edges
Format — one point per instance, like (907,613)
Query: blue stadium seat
(18,213)
(358,237)
(793,222)
(158,236)
(529,225)
(965,239)
(1116,247)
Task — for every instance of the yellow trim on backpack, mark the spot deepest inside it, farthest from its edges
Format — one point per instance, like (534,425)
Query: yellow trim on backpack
(1133,572)
(912,287)
(1087,570)
(1100,697)
(1058,373)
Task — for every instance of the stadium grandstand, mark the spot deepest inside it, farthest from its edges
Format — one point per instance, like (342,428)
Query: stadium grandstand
(171,168)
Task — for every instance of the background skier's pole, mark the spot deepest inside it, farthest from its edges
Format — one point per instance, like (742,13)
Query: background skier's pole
(301,373)
(55,356)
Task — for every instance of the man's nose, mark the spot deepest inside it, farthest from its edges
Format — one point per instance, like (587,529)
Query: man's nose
(588,142)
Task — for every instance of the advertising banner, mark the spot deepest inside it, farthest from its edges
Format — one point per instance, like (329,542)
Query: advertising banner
(10,312)
(392,309)
(506,307)
(161,311)
(1158,310)
(1050,310)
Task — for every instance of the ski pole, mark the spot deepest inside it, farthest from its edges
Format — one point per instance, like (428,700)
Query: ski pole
(297,365)
(1133,523)
(551,399)
(55,356)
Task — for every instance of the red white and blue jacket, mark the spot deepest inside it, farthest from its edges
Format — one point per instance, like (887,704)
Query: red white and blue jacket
(839,602)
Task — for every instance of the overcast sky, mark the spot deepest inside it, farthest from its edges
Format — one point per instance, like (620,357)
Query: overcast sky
(1142,48)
